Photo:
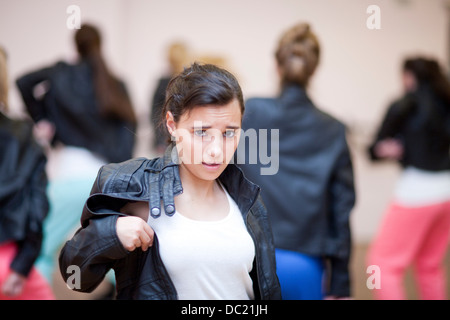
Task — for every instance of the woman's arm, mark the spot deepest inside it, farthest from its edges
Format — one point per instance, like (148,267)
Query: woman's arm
(93,249)
(38,203)
(26,85)
(342,193)
(387,143)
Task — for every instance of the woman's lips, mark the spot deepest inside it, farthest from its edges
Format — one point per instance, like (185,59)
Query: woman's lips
(211,166)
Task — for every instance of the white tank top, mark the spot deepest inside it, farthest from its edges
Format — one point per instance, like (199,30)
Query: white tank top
(207,260)
(417,187)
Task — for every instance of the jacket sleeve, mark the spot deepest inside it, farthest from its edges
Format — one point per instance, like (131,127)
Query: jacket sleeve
(342,195)
(95,247)
(392,123)
(92,251)
(29,248)
(26,85)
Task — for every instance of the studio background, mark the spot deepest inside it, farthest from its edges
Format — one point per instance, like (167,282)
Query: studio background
(358,76)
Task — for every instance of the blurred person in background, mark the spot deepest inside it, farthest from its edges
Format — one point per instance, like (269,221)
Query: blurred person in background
(177,57)
(86,119)
(23,204)
(310,198)
(415,229)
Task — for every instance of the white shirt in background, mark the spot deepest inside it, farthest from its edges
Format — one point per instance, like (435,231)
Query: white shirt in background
(417,187)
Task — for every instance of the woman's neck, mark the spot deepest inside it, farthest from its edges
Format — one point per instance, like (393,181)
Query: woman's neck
(195,187)
(201,200)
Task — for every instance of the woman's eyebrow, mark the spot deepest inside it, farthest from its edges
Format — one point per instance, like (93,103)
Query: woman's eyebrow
(209,127)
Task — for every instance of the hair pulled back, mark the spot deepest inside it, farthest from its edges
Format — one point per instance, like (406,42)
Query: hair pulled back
(112,98)
(429,73)
(297,54)
(200,85)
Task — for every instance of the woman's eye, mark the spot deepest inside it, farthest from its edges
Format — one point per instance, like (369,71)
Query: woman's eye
(229,134)
(200,133)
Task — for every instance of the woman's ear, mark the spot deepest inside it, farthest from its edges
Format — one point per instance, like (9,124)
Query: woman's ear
(170,123)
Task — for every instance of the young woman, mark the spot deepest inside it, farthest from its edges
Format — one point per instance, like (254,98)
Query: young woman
(310,197)
(415,229)
(210,239)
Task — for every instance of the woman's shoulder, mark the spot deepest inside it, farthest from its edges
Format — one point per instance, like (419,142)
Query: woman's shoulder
(329,121)
(259,103)
(258,109)
(116,177)
(19,131)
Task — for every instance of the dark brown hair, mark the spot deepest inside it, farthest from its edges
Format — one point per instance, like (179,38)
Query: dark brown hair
(429,74)
(297,54)
(200,85)
(112,97)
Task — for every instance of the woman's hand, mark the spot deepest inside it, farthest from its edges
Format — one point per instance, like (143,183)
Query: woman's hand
(389,148)
(14,284)
(44,131)
(134,232)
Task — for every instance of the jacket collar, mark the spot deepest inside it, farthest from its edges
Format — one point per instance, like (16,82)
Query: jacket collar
(242,190)
(293,94)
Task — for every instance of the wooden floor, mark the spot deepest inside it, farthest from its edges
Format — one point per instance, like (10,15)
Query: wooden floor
(358,269)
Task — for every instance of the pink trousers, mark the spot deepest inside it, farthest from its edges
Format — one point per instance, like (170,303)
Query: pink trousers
(36,287)
(412,236)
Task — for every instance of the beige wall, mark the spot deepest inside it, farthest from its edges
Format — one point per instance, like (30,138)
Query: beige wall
(358,75)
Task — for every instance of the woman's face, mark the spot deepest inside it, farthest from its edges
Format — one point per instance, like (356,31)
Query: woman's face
(206,138)
(409,81)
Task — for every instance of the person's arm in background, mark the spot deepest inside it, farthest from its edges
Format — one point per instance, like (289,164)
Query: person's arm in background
(26,85)
(342,196)
(44,130)
(388,141)
(38,206)
(157,103)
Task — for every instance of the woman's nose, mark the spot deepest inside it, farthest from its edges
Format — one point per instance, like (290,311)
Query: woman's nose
(215,148)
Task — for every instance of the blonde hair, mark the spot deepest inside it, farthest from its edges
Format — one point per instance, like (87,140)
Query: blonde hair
(177,54)
(297,54)
(3,81)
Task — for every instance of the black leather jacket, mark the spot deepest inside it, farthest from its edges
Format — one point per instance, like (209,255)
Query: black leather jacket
(310,198)
(71,105)
(23,199)
(95,247)
(421,122)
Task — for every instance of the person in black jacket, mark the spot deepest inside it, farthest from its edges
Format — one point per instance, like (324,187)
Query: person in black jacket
(23,204)
(415,132)
(177,57)
(211,238)
(307,186)
(85,118)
